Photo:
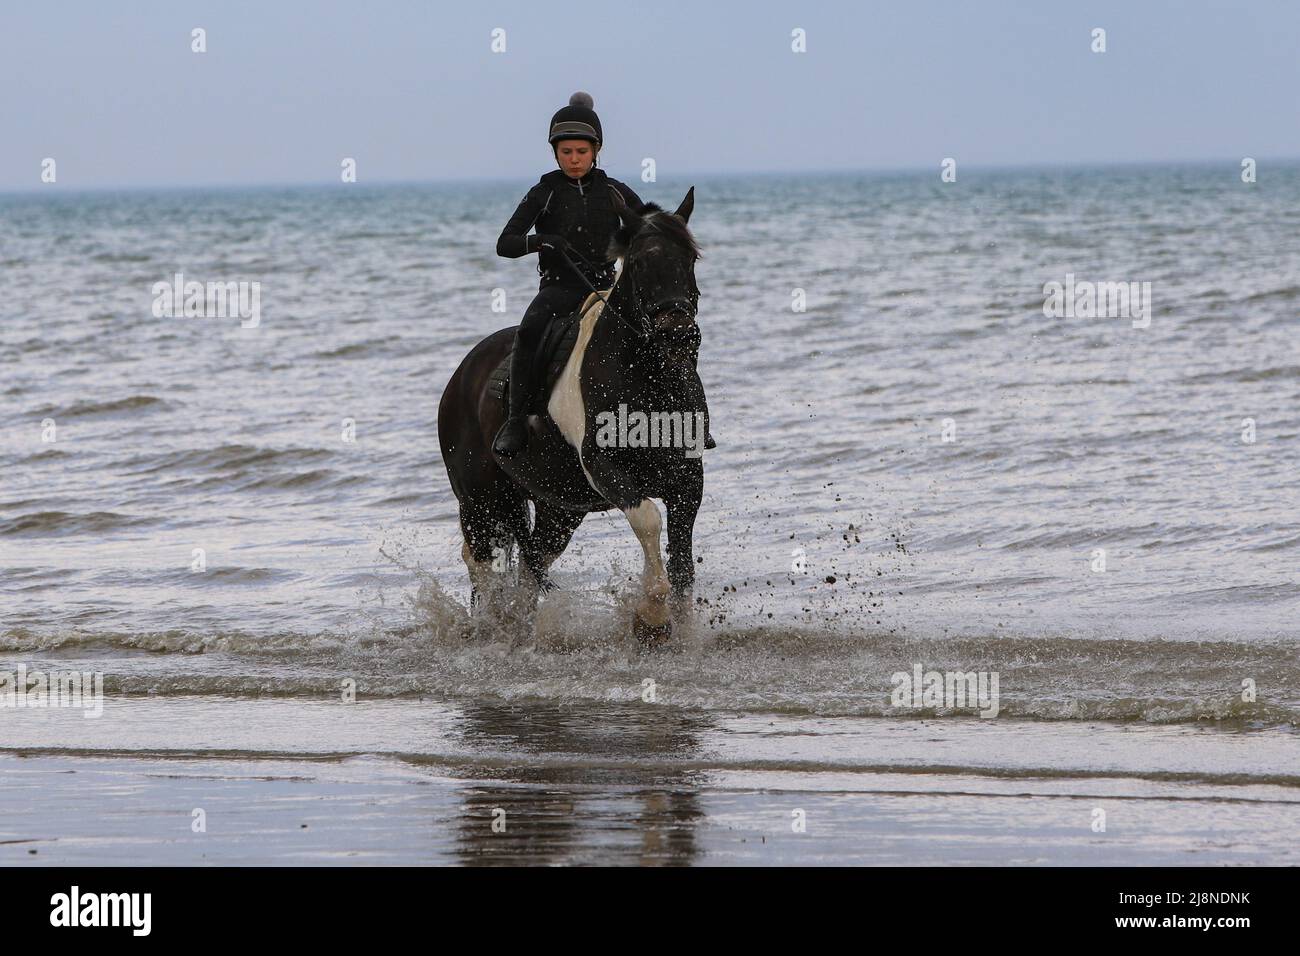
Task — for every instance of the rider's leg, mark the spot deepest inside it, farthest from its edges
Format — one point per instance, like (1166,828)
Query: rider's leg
(546,305)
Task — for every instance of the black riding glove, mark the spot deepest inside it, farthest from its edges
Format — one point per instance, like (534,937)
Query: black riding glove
(548,241)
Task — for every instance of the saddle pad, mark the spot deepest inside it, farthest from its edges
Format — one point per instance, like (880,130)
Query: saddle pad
(552,355)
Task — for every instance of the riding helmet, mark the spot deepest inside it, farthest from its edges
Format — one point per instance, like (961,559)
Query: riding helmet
(576,121)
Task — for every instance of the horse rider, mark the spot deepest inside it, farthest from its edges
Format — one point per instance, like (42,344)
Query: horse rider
(573,210)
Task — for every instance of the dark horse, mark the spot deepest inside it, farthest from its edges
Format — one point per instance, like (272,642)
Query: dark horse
(635,353)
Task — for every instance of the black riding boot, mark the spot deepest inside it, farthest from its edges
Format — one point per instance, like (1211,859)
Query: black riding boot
(513,436)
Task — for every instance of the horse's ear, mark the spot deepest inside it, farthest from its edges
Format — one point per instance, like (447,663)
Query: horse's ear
(688,204)
(619,242)
(625,215)
(631,221)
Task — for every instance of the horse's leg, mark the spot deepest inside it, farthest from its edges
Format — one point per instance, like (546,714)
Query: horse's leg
(490,525)
(480,570)
(652,621)
(683,506)
(553,528)
(482,539)
(618,488)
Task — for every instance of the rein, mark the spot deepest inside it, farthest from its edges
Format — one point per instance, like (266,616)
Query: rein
(640,330)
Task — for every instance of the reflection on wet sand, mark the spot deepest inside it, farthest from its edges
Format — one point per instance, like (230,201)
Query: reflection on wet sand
(552,812)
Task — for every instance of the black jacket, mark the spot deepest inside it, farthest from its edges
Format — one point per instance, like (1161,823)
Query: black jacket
(580,210)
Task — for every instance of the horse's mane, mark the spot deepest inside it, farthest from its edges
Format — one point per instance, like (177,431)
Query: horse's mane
(654,216)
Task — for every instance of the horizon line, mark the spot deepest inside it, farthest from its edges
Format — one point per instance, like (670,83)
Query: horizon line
(1234,162)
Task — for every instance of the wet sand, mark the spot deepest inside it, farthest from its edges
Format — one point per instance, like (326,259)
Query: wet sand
(283,781)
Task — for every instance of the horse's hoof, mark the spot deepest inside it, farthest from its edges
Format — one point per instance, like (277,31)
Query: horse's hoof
(651,635)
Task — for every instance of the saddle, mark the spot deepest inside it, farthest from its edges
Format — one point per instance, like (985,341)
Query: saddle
(552,355)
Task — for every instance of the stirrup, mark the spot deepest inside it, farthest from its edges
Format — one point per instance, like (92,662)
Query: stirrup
(512,438)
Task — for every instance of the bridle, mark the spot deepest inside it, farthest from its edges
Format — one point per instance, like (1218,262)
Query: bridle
(640,323)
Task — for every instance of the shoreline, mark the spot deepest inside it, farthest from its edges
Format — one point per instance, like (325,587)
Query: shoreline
(102,811)
(303,782)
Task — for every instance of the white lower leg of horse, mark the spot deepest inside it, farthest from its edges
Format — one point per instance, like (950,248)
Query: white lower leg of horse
(648,526)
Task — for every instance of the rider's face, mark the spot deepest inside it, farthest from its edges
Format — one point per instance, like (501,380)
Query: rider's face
(575,157)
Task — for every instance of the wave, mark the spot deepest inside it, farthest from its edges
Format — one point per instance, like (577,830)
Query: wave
(1246,375)
(577,652)
(1226,712)
(357,349)
(223,457)
(1241,594)
(1285,293)
(320,477)
(1277,544)
(85,409)
(121,257)
(222,576)
(577,763)
(63,522)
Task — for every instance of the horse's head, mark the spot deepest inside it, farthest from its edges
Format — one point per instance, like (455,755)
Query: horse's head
(657,282)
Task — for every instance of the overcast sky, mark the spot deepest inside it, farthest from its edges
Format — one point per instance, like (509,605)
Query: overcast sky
(413,90)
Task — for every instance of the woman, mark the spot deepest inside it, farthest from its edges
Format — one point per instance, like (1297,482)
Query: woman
(573,210)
